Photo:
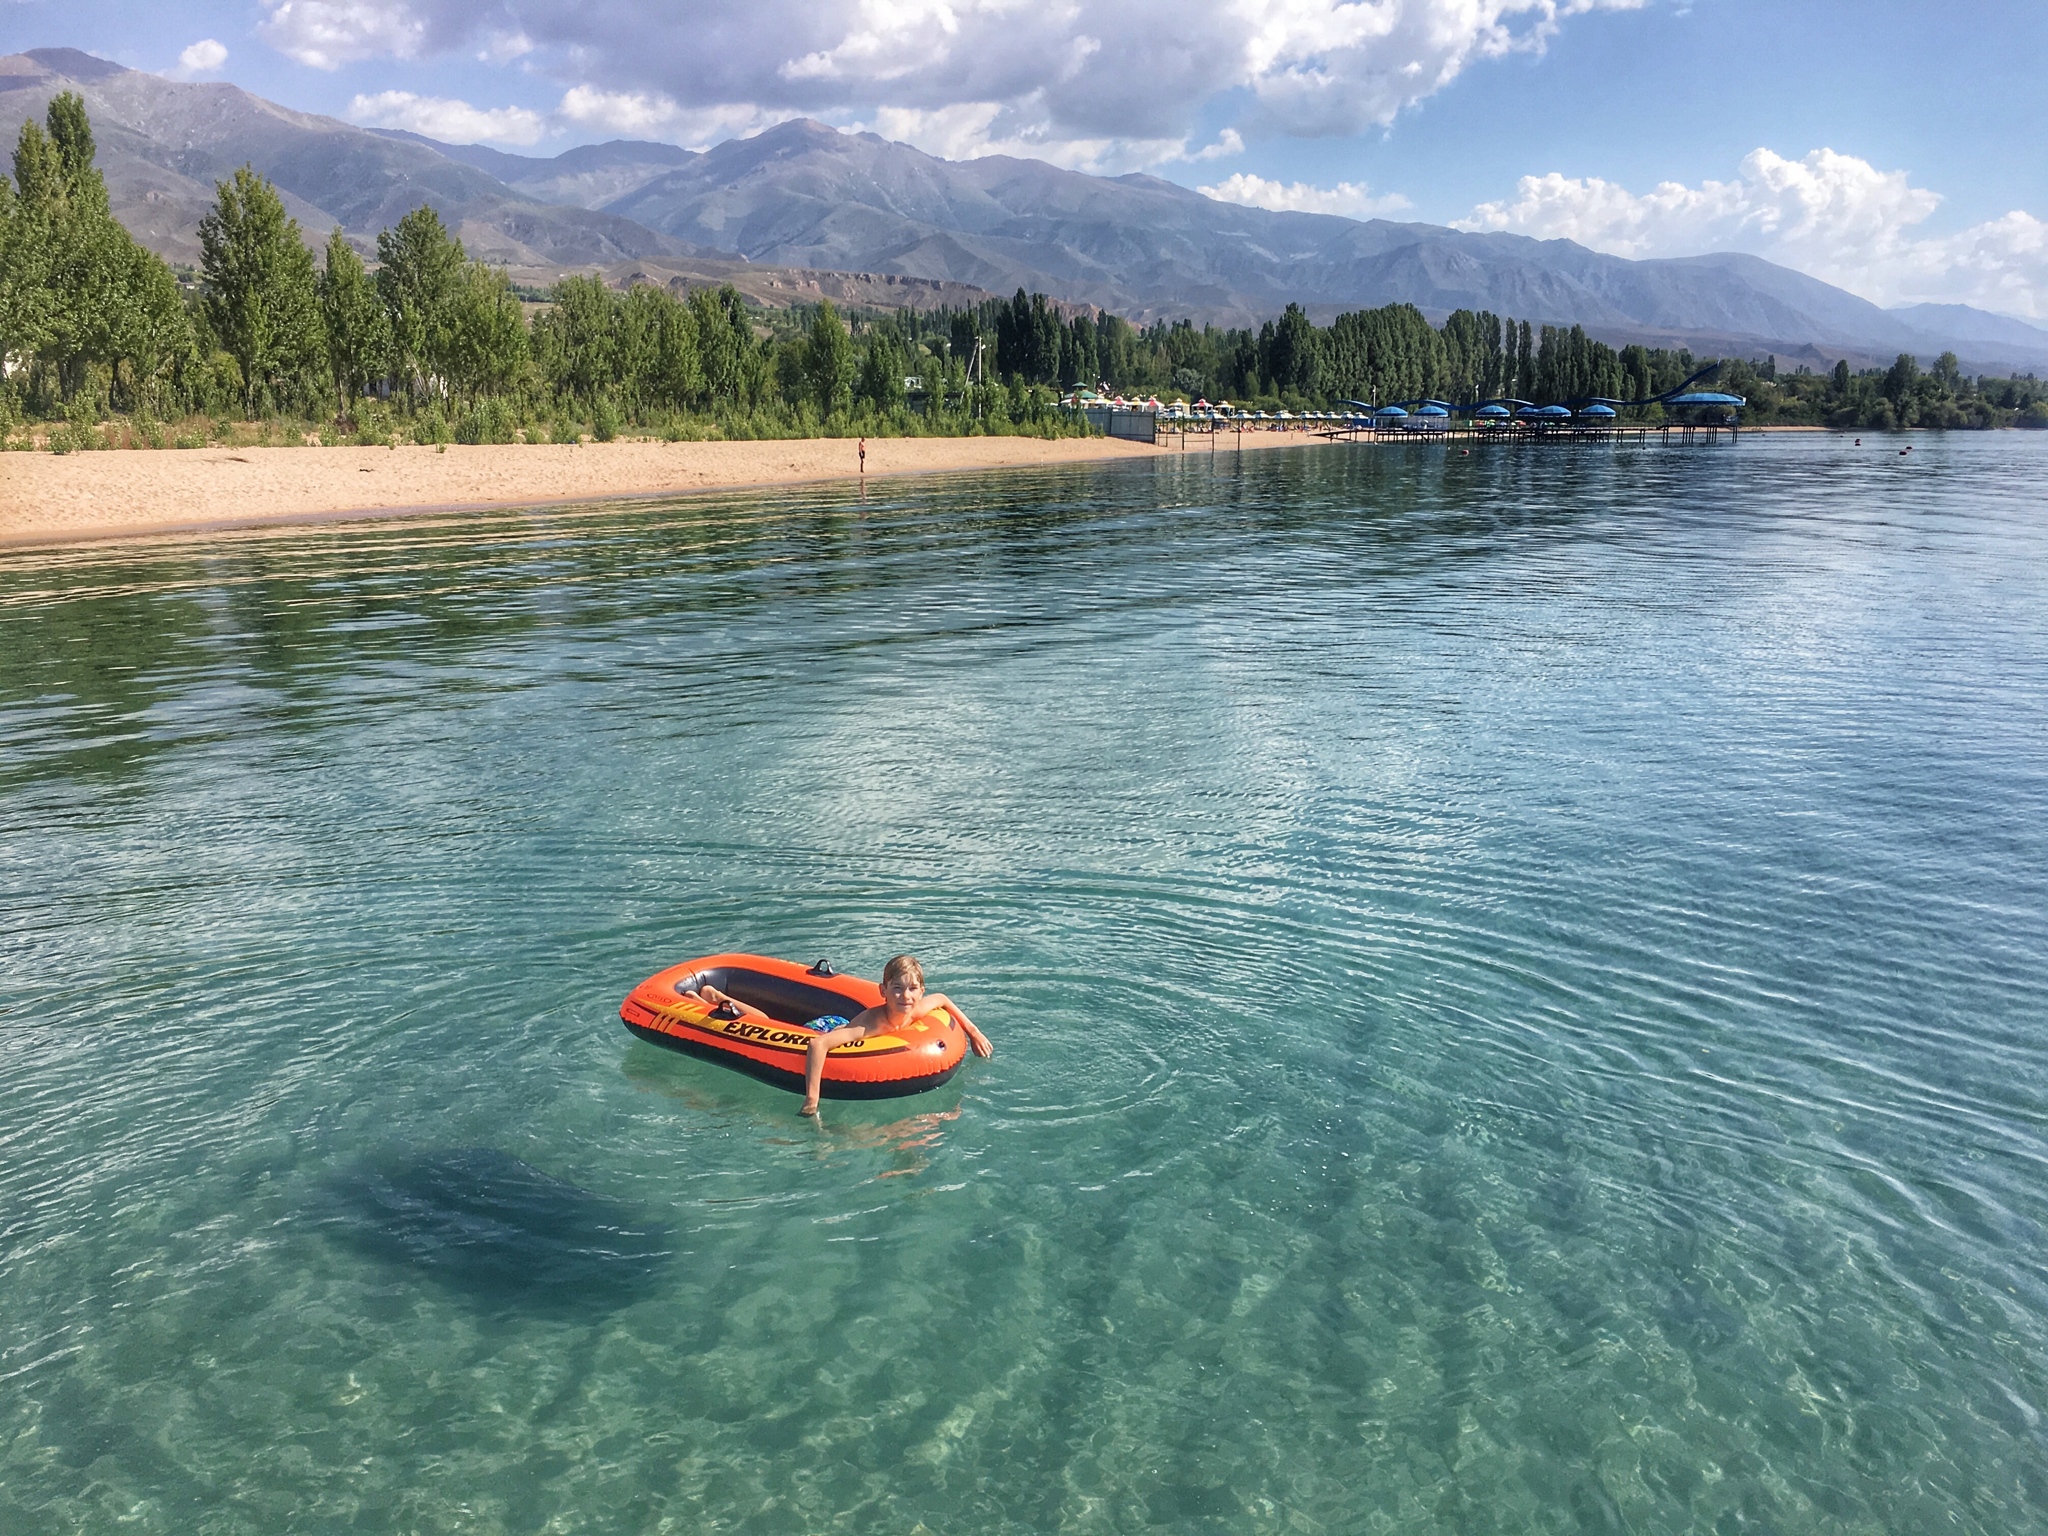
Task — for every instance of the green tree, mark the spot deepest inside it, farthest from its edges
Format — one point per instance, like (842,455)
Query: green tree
(573,339)
(731,362)
(828,361)
(1115,351)
(419,271)
(678,365)
(483,344)
(38,171)
(150,331)
(1900,378)
(1293,356)
(38,299)
(358,336)
(967,344)
(882,368)
(75,289)
(71,140)
(637,341)
(790,382)
(11,350)
(261,297)
(1032,342)
(29,321)
(1086,361)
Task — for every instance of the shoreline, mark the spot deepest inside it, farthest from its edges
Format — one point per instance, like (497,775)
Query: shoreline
(52,500)
(78,498)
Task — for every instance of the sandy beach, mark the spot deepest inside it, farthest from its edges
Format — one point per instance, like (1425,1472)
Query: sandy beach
(65,498)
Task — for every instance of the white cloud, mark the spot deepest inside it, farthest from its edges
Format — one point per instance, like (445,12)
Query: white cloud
(1337,68)
(1352,199)
(1832,215)
(1824,206)
(1229,142)
(2001,264)
(970,130)
(962,131)
(504,47)
(1082,83)
(638,113)
(202,58)
(644,115)
(453,122)
(330,33)
(885,40)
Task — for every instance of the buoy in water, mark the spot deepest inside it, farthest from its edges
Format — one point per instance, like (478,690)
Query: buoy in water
(781,1004)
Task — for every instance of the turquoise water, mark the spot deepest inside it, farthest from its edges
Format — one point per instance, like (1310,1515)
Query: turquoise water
(1516,984)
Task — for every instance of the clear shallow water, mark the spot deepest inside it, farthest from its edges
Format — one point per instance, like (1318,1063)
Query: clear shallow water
(1516,984)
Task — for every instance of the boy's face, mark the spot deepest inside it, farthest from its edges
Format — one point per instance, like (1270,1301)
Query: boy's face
(902,993)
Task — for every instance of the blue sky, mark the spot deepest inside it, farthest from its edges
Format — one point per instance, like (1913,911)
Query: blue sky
(1886,146)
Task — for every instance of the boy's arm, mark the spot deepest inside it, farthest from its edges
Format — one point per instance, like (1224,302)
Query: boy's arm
(975,1037)
(710,994)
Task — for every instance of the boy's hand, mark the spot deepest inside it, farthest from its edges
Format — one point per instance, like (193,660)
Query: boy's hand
(979,1041)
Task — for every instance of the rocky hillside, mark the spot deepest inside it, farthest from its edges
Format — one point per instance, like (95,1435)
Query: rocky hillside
(163,144)
(804,210)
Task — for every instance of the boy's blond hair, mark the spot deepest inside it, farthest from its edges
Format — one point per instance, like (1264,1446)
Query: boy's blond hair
(903,965)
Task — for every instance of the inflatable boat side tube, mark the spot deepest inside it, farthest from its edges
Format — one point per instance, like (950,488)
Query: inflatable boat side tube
(767,1035)
(781,1077)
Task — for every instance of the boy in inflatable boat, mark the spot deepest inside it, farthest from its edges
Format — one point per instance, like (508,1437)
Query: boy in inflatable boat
(903,1004)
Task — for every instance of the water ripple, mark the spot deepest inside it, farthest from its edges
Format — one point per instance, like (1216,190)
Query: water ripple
(1514,978)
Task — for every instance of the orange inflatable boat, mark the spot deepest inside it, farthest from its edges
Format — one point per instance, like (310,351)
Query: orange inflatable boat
(768,1033)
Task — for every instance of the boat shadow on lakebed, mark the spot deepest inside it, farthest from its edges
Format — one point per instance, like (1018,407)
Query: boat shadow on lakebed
(497,1231)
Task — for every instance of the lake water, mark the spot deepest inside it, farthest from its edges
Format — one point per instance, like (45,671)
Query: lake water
(1516,980)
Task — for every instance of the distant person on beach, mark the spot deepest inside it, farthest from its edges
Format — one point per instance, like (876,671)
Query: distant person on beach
(863,457)
(903,1003)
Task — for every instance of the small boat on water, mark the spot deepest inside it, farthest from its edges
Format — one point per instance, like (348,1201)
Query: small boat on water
(777,1007)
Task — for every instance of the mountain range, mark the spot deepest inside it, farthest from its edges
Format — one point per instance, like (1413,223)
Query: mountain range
(804,209)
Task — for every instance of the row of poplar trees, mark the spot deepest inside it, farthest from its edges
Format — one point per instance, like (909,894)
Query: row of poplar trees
(1392,354)
(79,297)
(81,301)
(75,289)
(1376,355)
